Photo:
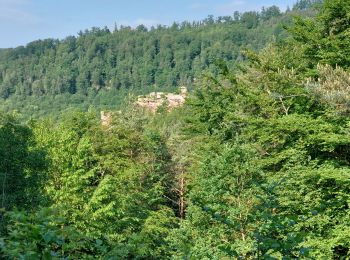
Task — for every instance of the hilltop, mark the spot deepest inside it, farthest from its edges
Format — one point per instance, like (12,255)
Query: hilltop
(100,68)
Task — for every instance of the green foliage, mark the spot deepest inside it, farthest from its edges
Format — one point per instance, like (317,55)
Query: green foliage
(256,164)
(107,183)
(305,4)
(221,206)
(332,87)
(45,235)
(22,165)
(326,39)
(302,143)
(99,68)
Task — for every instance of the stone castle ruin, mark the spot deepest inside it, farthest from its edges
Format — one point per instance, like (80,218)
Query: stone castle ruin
(154,100)
(106,118)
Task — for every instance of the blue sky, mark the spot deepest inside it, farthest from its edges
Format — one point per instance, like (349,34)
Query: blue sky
(22,21)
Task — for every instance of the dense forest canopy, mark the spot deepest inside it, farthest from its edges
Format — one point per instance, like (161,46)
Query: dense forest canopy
(100,67)
(255,165)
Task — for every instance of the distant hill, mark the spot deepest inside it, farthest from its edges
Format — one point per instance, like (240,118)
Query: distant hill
(100,67)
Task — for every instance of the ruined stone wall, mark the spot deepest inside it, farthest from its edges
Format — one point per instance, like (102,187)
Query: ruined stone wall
(155,99)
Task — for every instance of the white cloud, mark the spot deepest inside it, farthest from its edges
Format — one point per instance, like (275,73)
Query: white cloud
(15,11)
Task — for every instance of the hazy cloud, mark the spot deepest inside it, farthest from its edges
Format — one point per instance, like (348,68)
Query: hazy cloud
(230,7)
(12,2)
(197,6)
(15,11)
(146,22)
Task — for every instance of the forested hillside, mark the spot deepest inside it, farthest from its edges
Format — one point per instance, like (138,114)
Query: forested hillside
(255,165)
(100,67)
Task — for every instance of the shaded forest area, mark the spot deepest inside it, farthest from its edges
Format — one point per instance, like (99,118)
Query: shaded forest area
(255,165)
